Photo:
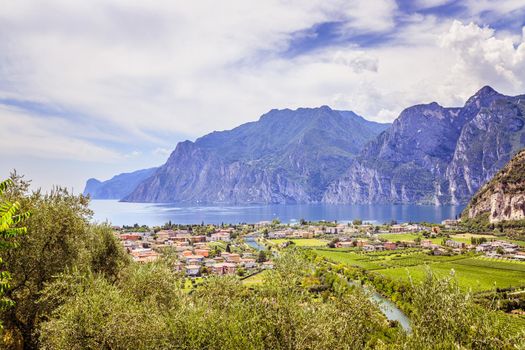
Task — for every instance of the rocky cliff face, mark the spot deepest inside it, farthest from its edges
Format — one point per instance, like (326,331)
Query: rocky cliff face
(502,198)
(118,186)
(436,155)
(285,157)
(486,143)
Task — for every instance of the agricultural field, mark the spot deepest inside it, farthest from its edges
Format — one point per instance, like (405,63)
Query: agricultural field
(460,237)
(350,258)
(475,272)
(468,272)
(465,237)
(302,242)
(402,237)
(219,245)
(255,279)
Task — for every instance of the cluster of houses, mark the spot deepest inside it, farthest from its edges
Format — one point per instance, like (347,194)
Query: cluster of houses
(197,262)
(501,248)
(340,229)
(364,236)
(405,228)
(195,253)
(311,231)
(492,249)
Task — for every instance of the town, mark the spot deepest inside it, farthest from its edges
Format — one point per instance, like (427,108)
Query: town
(246,249)
(219,253)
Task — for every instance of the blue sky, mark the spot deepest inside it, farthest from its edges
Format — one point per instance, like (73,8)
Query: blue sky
(96,88)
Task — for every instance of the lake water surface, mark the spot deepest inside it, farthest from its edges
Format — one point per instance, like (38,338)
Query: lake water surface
(119,213)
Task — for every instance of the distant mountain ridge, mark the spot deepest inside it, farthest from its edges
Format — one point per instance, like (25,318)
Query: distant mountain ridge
(118,186)
(287,156)
(436,155)
(429,155)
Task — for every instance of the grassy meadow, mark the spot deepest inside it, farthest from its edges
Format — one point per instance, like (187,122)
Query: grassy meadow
(477,273)
(256,279)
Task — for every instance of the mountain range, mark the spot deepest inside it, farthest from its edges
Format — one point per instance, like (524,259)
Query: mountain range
(284,157)
(436,155)
(429,155)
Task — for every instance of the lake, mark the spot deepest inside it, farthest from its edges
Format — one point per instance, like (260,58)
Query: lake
(120,213)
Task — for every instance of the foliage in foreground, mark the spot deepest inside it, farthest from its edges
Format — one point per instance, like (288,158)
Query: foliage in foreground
(59,238)
(75,289)
(295,308)
(447,318)
(149,309)
(10,217)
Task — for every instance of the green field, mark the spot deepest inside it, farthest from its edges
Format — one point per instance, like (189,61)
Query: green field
(471,275)
(460,237)
(351,258)
(465,237)
(478,273)
(302,242)
(402,237)
(255,279)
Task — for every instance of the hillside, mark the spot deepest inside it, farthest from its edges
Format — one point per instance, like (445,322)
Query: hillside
(503,197)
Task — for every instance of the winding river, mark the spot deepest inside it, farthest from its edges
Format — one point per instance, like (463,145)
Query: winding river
(387,307)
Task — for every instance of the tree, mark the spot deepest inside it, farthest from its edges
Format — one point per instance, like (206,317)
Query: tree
(357,222)
(215,251)
(59,238)
(219,314)
(241,271)
(9,219)
(228,248)
(333,242)
(445,317)
(261,257)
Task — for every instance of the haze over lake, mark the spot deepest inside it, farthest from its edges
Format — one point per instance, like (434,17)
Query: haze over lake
(119,213)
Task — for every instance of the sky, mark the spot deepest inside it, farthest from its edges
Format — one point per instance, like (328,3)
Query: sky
(100,87)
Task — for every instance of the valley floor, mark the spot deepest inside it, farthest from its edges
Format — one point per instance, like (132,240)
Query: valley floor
(477,273)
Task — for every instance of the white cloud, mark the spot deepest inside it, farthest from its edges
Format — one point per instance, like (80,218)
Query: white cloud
(358,61)
(424,4)
(484,59)
(370,16)
(159,65)
(47,138)
(493,8)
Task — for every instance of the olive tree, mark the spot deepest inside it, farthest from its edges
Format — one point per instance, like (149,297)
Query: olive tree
(10,218)
(59,238)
